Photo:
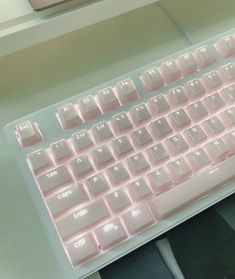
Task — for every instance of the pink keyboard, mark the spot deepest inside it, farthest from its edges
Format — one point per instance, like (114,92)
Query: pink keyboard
(112,168)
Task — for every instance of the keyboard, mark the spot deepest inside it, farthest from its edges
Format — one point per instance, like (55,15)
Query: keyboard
(111,168)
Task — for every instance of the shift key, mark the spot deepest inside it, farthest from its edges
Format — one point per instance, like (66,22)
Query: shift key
(83,218)
(53,179)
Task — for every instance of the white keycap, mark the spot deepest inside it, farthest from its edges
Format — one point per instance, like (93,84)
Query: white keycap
(196,135)
(140,114)
(204,57)
(170,71)
(214,102)
(139,189)
(213,126)
(198,159)
(137,219)
(68,197)
(152,79)
(39,160)
(177,144)
(212,81)
(179,169)
(110,234)
(68,116)
(180,119)
(229,138)
(102,132)
(121,123)
(227,72)
(102,156)
(197,110)
(28,134)
(118,173)
(61,150)
(217,150)
(170,201)
(188,64)
(118,200)
(141,137)
(53,179)
(160,128)
(137,163)
(82,249)
(81,141)
(97,184)
(88,108)
(157,153)
(160,180)
(122,146)
(81,219)
(226,46)
(107,99)
(177,96)
(228,94)
(81,166)
(158,105)
(228,116)
(195,89)
(126,91)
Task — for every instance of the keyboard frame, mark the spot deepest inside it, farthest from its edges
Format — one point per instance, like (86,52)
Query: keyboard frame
(48,122)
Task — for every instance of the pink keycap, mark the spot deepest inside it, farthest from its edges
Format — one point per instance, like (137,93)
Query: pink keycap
(39,160)
(197,111)
(217,150)
(195,89)
(177,97)
(137,219)
(214,102)
(170,71)
(204,57)
(107,99)
(82,249)
(68,116)
(139,189)
(229,138)
(227,73)
(179,169)
(89,108)
(213,126)
(81,167)
(228,117)
(126,91)
(160,180)
(180,119)
(228,94)
(140,114)
(188,64)
(28,133)
(212,81)
(226,46)
(159,105)
(152,79)
(118,200)
(198,159)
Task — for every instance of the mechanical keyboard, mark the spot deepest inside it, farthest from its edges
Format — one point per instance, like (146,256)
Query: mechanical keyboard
(111,168)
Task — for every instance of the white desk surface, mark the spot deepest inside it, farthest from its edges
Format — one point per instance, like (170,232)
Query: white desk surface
(39,76)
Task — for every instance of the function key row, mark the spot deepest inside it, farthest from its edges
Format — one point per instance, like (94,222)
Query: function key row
(92,106)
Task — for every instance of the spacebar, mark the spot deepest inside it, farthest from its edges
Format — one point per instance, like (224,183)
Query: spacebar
(190,190)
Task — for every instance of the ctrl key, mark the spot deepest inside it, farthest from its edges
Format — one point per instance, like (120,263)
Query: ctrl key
(82,249)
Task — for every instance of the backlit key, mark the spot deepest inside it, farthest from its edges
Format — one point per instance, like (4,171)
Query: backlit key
(118,200)
(157,153)
(179,169)
(139,189)
(102,156)
(198,159)
(177,144)
(118,173)
(88,108)
(170,71)
(81,166)
(197,110)
(102,132)
(214,102)
(83,218)
(137,219)
(229,138)
(97,184)
(121,123)
(110,234)
(53,179)
(152,79)
(195,89)
(217,150)
(82,141)
(204,57)
(228,116)
(138,163)
(126,91)
(82,249)
(212,81)
(177,96)
(68,116)
(141,137)
(159,105)
(187,63)
(160,128)
(196,135)
(140,114)
(28,134)
(159,180)
(226,46)
(107,99)
(228,94)
(180,119)
(61,150)
(68,197)
(122,146)
(213,126)
(39,160)
(228,72)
